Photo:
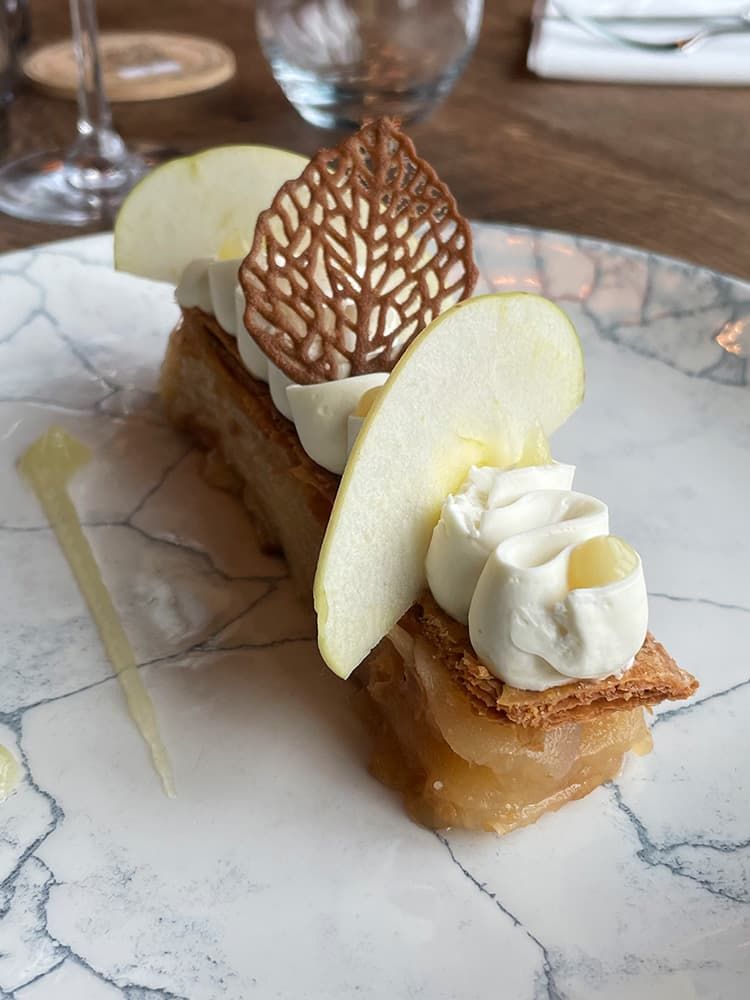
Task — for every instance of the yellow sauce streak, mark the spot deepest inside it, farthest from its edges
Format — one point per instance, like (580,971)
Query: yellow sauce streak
(9,773)
(48,465)
(599,561)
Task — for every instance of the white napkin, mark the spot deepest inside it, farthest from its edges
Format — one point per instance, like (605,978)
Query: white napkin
(563,50)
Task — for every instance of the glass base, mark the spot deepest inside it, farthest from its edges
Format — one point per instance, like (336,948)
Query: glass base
(38,188)
(336,103)
(352,114)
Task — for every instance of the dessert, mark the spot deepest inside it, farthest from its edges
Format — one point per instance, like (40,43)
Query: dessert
(497,630)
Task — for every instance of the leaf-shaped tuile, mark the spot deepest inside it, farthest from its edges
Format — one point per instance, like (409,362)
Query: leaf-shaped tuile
(354,258)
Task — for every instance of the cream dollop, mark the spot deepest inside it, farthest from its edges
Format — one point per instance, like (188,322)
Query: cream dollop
(353,426)
(222,282)
(278,383)
(192,289)
(488,508)
(252,356)
(509,557)
(213,286)
(324,413)
(321,414)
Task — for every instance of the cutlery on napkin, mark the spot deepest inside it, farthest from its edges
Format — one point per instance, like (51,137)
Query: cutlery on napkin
(565,50)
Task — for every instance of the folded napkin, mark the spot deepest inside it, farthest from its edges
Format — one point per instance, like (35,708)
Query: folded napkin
(565,51)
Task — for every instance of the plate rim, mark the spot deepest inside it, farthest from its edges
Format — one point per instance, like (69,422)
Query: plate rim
(627,249)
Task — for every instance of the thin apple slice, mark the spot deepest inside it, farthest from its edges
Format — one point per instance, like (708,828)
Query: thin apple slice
(470,390)
(195,206)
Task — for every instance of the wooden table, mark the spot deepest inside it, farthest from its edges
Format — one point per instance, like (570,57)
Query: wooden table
(667,169)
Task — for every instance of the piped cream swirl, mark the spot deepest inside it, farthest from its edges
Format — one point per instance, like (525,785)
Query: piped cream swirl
(512,556)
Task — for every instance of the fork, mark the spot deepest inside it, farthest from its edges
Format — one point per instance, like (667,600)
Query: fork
(738,24)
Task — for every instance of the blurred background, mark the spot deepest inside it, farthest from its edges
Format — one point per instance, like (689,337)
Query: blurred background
(658,165)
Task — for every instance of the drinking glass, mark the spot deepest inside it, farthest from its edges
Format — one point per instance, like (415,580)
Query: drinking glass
(86,182)
(341,61)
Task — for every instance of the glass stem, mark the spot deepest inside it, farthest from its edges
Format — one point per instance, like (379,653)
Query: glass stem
(98,161)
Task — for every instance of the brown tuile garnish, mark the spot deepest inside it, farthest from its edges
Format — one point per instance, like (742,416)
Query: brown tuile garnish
(354,258)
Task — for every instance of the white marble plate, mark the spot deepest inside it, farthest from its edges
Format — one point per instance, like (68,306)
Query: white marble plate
(282,869)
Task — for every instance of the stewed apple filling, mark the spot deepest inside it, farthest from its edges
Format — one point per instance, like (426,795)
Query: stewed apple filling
(454,767)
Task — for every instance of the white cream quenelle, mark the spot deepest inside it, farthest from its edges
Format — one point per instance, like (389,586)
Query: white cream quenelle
(325,415)
(549,596)
(214,287)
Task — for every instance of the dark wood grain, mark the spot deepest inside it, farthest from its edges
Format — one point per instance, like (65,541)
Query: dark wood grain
(667,169)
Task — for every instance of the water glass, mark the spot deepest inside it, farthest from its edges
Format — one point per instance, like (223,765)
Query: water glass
(341,61)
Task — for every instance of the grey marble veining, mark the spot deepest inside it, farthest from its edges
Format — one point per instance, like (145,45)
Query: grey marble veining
(283,869)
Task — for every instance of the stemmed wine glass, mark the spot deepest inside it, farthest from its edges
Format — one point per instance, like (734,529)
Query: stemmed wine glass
(85,183)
